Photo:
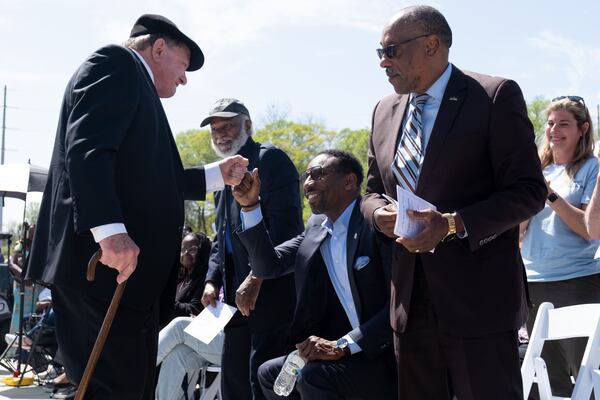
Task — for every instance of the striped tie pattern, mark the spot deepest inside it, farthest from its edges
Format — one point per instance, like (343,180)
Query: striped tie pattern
(409,154)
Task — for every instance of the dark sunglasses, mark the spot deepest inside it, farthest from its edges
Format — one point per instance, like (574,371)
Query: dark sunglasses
(316,173)
(390,50)
(576,99)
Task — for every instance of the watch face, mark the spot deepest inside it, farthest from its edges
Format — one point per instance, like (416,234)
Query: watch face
(341,344)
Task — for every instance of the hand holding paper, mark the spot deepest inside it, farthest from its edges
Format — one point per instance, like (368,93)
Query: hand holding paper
(210,321)
(405,226)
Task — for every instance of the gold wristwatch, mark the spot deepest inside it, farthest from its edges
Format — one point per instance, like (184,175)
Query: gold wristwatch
(451,226)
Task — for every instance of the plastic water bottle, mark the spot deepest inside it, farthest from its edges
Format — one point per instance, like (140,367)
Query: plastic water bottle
(284,384)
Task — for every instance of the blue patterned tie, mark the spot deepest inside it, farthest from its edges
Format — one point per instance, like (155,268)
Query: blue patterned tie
(409,154)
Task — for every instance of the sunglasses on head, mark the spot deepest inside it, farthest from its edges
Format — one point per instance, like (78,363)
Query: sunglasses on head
(316,173)
(576,99)
(390,50)
(192,250)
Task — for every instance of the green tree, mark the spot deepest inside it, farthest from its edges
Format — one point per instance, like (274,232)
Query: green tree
(357,143)
(195,149)
(301,141)
(535,112)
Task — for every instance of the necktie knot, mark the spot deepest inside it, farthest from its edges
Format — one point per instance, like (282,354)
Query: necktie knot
(420,100)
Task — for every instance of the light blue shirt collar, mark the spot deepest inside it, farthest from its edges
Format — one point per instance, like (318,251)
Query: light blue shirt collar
(341,224)
(436,91)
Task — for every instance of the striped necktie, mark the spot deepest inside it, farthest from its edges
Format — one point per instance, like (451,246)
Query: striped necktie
(409,154)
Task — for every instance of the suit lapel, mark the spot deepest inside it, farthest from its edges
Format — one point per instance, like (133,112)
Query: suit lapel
(398,111)
(352,240)
(449,107)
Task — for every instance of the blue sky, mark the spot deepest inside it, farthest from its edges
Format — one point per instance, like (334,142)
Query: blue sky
(312,59)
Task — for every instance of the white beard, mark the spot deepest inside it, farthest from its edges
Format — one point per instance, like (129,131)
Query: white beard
(236,145)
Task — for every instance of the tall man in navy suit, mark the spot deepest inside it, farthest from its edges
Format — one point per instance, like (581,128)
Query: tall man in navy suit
(341,324)
(116,182)
(463,142)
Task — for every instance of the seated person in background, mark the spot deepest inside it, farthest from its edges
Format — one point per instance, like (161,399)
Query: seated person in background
(195,250)
(45,319)
(557,251)
(183,356)
(31,292)
(341,323)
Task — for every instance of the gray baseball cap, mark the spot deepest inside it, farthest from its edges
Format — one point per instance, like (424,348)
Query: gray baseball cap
(225,108)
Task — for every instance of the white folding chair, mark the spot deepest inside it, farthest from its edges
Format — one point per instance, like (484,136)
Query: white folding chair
(596,380)
(562,323)
(214,389)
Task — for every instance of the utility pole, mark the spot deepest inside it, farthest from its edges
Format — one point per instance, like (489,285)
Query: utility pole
(2,153)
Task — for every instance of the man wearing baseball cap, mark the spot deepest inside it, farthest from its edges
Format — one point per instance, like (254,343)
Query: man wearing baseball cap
(260,330)
(116,182)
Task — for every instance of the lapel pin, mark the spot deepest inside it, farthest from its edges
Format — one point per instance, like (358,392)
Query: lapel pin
(355,236)
(453,98)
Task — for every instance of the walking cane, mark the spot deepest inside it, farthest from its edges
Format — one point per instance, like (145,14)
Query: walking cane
(106,324)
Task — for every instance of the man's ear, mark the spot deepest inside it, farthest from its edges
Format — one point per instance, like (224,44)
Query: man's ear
(351,181)
(247,125)
(158,49)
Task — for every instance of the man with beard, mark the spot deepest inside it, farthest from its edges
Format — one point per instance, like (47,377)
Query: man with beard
(463,142)
(260,330)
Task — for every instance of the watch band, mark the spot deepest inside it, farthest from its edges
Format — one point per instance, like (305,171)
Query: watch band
(451,224)
(552,197)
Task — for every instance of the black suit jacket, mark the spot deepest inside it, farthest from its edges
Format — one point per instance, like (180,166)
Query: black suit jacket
(114,160)
(481,161)
(280,204)
(369,284)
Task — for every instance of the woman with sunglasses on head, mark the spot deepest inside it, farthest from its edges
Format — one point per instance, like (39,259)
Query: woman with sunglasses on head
(558,254)
(195,250)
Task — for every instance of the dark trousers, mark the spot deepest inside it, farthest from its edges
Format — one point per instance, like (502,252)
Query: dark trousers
(126,367)
(243,352)
(433,365)
(562,357)
(354,377)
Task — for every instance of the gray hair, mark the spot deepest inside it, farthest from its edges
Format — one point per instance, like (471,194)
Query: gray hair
(142,42)
(430,20)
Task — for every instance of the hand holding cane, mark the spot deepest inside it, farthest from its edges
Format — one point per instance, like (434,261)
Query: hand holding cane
(106,324)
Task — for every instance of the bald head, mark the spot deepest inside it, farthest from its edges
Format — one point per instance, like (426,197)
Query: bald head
(415,44)
(423,19)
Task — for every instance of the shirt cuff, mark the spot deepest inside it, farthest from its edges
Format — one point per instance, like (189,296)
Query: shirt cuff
(352,345)
(251,218)
(214,179)
(104,231)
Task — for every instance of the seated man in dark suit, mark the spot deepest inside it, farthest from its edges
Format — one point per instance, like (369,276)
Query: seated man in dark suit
(341,323)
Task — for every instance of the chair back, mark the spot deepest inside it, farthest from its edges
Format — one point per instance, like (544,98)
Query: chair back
(562,323)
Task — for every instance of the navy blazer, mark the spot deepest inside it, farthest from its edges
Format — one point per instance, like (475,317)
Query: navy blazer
(280,204)
(114,161)
(369,283)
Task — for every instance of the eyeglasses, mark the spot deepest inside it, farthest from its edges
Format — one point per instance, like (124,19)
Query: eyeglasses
(192,250)
(576,99)
(316,173)
(390,50)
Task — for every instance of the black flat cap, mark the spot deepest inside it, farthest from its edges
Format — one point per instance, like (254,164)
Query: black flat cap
(157,24)
(225,108)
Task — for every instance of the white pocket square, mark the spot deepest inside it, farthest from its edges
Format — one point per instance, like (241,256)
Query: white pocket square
(361,262)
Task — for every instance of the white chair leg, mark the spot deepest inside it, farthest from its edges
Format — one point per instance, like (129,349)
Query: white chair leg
(543,382)
(596,381)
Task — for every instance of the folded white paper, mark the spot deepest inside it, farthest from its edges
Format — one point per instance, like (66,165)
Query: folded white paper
(210,321)
(407,200)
